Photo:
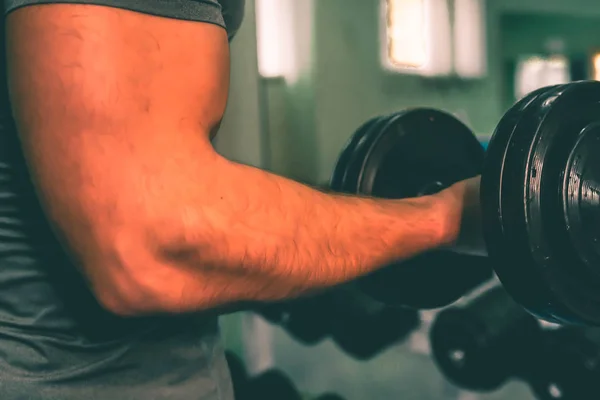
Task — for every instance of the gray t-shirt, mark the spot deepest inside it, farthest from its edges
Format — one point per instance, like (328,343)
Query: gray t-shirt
(56,342)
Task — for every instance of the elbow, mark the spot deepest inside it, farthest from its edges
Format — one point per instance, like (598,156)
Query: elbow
(119,304)
(131,277)
(137,300)
(131,287)
(125,297)
(141,289)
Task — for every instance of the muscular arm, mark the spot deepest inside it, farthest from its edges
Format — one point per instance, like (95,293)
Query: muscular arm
(115,110)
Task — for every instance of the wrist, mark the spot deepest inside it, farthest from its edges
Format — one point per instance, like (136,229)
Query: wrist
(447,212)
(462,230)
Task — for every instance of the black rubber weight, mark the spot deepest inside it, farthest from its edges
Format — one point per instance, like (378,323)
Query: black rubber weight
(341,165)
(529,241)
(412,153)
(483,343)
(519,273)
(492,212)
(356,159)
(556,245)
(271,385)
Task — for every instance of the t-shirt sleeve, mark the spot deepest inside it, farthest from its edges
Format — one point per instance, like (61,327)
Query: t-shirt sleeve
(209,11)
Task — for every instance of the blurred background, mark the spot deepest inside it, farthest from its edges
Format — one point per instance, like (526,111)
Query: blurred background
(307,73)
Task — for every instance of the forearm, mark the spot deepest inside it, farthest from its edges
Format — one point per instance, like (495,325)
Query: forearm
(258,236)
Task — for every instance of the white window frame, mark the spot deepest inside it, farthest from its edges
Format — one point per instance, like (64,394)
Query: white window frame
(437,37)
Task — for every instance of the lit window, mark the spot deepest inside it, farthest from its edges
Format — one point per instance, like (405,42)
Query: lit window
(274,32)
(417,36)
(597,67)
(406,33)
(536,72)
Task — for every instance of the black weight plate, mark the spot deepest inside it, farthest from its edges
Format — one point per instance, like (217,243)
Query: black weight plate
(534,258)
(580,197)
(270,385)
(569,362)
(417,152)
(341,164)
(309,319)
(491,182)
(427,281)
(355,161)
(514,265)
(556,247)
(237,371)
(479,345)
(365,336)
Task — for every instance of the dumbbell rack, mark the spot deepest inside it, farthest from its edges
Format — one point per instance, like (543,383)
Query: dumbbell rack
(261,334)
(420,344)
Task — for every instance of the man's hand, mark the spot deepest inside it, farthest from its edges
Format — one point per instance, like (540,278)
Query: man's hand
(463,212)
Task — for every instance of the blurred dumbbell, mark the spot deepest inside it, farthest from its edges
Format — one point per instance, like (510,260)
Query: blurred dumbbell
(569,365)
(428,281)
(306,320)
(237,370)
(409,154)
(480,345)
(363,328)
(270,385)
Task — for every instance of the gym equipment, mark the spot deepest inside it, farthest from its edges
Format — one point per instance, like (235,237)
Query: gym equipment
(540,190)
(306,320)
(427,281)
(359,325)
(338,178)
(569,365)
(237,370)
(363,328)
(481,344)
(270,385)
(546,252)
(409,154)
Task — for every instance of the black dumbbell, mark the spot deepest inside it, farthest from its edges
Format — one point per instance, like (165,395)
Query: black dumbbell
(306,320)
(409,154)
(237,370)
(540,194)
(363,328)
(270,385)
(568,368)
(480,345)
(427,281)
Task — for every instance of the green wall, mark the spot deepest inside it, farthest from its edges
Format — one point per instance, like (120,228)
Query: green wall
(351,85)
(529,34)
(346,85)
